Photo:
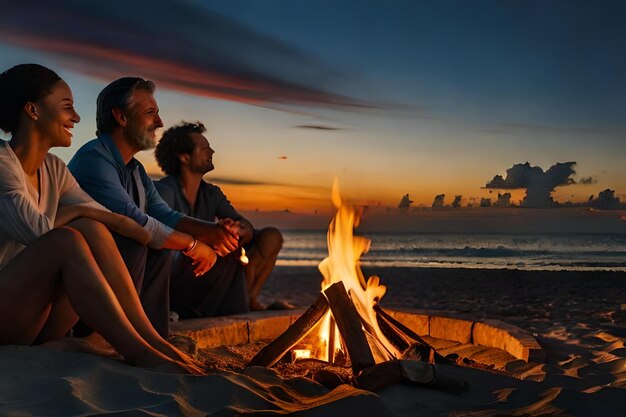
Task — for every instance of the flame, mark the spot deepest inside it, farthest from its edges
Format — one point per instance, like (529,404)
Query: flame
(243,258)
(342,264)
(301,354)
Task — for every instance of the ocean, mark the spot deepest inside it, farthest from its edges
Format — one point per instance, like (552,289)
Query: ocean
(515,251)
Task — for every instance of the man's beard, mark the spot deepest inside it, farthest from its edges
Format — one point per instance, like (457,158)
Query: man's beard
(142,138)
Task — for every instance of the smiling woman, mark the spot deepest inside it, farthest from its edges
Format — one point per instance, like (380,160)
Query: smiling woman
(58,261)
(57,115)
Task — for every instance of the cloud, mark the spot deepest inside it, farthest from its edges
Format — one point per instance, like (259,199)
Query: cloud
(239,181)
(538,184)
(178,44)
(318,127)
(438,201)
(587,180)
(606,200)
(282,157)
(504,200)
(405,202)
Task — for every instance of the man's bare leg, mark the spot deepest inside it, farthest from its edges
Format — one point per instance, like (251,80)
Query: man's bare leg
(267,246)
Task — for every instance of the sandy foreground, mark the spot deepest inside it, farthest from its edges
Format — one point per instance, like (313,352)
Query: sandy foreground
(579,318)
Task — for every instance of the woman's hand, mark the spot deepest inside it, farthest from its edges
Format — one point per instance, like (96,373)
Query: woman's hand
(203,257)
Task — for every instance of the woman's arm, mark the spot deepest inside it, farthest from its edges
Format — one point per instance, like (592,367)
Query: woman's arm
(118,223)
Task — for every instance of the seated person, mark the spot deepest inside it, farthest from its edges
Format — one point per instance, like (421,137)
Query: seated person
(185,155)
(58,261)
(127,119)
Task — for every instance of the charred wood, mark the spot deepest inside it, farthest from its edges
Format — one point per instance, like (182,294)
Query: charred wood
(408,332)
(409,372)
(349,324)
(272,353)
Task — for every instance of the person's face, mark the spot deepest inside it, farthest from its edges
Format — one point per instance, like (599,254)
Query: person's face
(201,158)
(56,116)
(142,120)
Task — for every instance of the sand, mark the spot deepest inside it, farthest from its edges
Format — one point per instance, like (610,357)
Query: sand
(579,318)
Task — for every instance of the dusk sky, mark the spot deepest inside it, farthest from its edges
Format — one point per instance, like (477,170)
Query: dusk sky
(391,97)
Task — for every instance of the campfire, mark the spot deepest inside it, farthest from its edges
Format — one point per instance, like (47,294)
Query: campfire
(346,326)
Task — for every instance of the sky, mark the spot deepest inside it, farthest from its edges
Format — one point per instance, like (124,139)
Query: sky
(393,97)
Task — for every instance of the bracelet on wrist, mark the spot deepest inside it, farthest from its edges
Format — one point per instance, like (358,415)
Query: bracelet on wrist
(191,247)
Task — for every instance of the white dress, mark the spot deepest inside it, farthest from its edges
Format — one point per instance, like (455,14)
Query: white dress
(27,213)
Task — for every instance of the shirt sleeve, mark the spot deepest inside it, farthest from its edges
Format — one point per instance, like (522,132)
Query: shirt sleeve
(156,206)
(100,179)
(22,220)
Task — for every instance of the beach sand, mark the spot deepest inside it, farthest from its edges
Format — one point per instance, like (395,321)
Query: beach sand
(579,318)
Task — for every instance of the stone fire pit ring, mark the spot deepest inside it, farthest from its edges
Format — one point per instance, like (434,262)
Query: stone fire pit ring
(265,326)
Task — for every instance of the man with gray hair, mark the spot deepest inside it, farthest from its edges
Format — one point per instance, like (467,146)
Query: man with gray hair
(127,119)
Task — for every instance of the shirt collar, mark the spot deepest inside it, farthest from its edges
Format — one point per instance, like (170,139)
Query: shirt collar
(107,141)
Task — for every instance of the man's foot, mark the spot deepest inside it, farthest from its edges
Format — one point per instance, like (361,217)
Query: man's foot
(281,305)
(255,305)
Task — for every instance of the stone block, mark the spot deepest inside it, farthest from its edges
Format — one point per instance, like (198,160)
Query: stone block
(510,338)
(451,329)
(498,359)
(439,344)
(214,331)
(268,328)
(417,322)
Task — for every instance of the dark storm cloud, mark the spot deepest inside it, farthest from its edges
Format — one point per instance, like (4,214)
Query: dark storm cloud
(538,184)
(606,200)
(180,45)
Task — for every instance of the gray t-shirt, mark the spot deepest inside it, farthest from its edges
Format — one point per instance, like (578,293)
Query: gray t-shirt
(211,203)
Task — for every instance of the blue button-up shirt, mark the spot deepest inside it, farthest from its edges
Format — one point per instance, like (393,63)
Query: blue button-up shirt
(122,188)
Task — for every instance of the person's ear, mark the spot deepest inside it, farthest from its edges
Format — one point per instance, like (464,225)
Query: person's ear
(119,116)
(31,110)
(184,158)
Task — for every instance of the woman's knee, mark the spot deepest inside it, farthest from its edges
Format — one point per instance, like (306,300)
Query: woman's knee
(85,225)
(93,231)
(66,240)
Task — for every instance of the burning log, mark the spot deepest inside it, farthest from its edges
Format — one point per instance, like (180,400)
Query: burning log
(400,341)
(272,353)
(349,324)
(331,341)
(408,332)
(411,372)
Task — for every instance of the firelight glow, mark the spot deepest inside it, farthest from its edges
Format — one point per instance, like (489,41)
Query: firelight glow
(342,264)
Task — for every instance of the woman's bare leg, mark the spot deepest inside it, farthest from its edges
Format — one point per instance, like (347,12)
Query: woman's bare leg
(112,265)
(60,319)
(61,261)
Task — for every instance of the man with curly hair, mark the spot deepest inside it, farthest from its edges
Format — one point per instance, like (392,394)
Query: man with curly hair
(185,155)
